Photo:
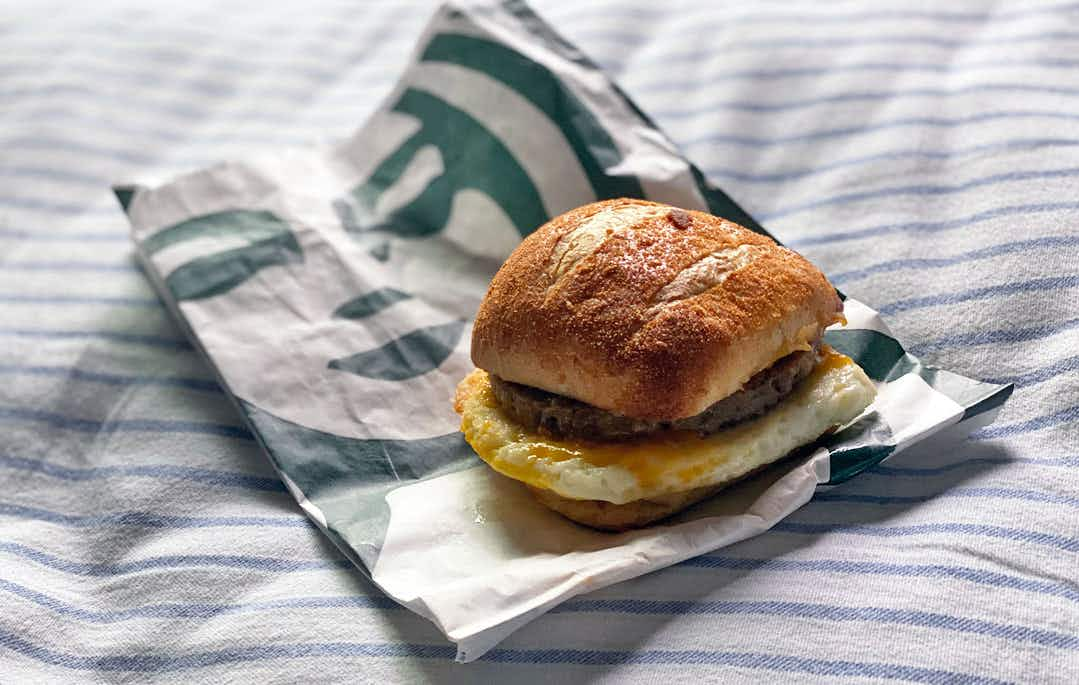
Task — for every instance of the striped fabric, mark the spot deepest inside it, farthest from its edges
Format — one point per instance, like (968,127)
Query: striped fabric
(922,156)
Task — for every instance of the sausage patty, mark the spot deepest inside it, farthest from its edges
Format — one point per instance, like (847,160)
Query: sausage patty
(564,417)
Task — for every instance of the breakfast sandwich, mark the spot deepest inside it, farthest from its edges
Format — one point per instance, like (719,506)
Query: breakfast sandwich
(634,358)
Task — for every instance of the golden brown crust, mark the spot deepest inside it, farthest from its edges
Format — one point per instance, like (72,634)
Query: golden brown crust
(646,310)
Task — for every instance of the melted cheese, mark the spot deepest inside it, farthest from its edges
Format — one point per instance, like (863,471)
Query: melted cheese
(619,472)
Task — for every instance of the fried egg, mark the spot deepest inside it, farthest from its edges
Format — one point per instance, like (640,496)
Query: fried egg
(834,393)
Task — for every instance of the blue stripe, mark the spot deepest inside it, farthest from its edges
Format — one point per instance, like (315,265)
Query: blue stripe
(724,172)
(114,336)
(152,302)
(205,89)
(921,471)
(750,107)
(974,529)
(276,129)
(314,74)
(307,127)
(173,561)
(175,135)
(90,206)
(115,69)
(124,425)
(707,107)
(253,41)
(199,153)
(620,38)
(251,126)
(1057,368)
(71,265)
(840,614)
(86,150)
(192,610)
(976,493)
(81,236)
(65,174)
(49,145)
(152,663)
(205,610)
(863,129)
(921,190)
(156,471)
(874,568)
(1001,431)
(52,144)
(712,562)
(77,374)
(1006,335)
(580,12)
(1033,285)
(355,82)
(963,257)
(937,226)
(178,31)
(628,606)
(148,519)
(706,76)
(908,618)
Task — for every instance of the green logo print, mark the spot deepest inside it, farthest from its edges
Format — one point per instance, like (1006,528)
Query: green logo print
(593,146)
(371,303)
(269,243)
(472,157)
(405,357)
(590,142)
(324,465)
(475,158)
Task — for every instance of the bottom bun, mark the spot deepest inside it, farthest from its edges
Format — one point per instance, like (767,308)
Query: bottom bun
(595,513)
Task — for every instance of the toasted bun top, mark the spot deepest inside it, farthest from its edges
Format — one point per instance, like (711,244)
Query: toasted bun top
(647,310)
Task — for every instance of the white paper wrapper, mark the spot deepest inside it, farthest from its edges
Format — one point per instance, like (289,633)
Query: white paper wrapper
(332,291)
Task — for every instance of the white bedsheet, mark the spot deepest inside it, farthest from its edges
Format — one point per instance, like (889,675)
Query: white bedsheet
(926,156)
